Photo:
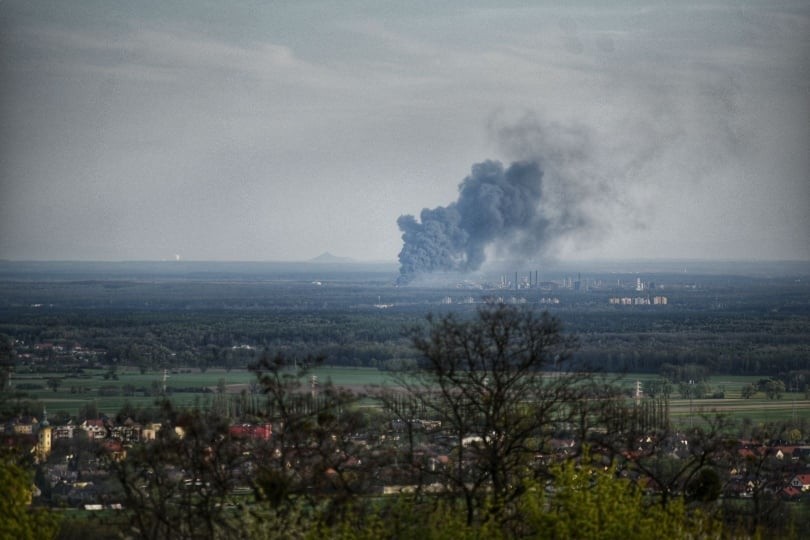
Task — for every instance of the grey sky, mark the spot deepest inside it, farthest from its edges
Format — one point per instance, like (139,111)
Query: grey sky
(275,130)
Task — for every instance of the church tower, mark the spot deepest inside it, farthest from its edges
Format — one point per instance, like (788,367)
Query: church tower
(44,438)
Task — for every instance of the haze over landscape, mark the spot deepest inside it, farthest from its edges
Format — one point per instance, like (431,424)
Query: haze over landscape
(279,131)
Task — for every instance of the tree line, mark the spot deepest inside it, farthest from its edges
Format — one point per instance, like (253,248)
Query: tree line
(771,345)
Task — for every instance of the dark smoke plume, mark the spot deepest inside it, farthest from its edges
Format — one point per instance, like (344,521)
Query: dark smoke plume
(567,189)
(496,207)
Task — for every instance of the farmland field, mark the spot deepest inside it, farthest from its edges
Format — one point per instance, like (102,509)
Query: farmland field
(73,393)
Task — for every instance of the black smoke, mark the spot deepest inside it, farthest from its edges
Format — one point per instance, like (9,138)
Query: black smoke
(496,207)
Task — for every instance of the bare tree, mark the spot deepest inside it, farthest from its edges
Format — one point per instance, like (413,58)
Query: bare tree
(760,479)
(314,450)
(500,384)
(6,361)
(190,481)
(666,461)
(181,484)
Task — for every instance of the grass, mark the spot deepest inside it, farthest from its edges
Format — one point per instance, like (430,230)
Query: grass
(758,409)
(682,411)
(75,392)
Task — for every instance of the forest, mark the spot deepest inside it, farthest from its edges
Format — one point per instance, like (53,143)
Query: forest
(203,317)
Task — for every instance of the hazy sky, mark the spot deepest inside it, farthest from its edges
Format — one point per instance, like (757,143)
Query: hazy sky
(276,130)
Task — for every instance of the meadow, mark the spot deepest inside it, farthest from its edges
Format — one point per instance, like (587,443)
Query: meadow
(193,386)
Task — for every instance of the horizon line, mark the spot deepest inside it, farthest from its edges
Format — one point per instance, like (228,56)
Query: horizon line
(352,260)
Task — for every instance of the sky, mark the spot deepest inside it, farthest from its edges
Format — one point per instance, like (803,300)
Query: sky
(278,130)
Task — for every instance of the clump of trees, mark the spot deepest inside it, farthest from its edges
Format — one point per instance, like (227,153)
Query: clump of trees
(773,388)
(500,385)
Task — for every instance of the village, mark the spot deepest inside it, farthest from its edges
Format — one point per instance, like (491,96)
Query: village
(73,459)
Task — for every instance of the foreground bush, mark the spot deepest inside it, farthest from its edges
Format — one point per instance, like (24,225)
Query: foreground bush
(583,501)
(18,521)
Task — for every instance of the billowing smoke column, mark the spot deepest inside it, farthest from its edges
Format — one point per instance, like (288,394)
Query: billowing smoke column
(495,206)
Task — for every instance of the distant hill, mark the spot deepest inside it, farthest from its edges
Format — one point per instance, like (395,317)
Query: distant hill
(327,257)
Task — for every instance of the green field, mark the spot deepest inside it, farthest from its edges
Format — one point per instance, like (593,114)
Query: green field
(791,406)
(73,392)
